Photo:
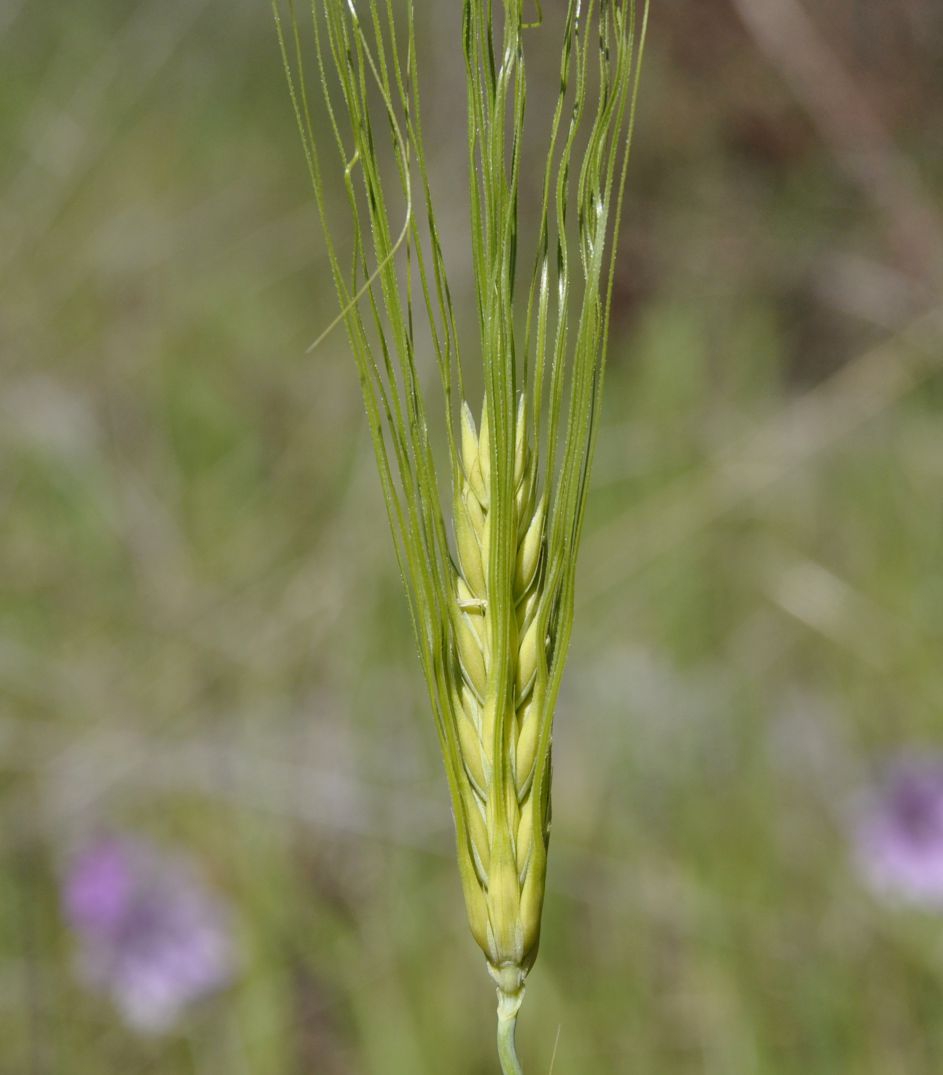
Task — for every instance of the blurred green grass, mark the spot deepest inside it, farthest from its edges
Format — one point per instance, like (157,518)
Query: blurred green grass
(202,635)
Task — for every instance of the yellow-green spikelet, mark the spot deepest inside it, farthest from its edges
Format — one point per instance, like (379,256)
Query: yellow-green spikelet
(506,844)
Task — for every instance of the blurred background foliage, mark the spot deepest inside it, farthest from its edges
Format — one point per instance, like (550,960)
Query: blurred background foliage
(202,636)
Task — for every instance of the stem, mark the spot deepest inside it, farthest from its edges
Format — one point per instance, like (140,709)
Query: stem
(507,1053)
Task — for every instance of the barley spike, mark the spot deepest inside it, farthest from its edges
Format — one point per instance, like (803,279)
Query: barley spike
(507,841)
(492,603)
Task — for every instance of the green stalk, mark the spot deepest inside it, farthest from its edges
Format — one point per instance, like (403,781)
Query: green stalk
(508,1007)
(507,1053)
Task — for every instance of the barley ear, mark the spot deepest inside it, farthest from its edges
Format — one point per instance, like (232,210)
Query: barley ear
(500,710)
(492,606)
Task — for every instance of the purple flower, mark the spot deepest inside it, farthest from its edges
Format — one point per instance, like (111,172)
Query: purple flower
(900,834)
(150,934)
